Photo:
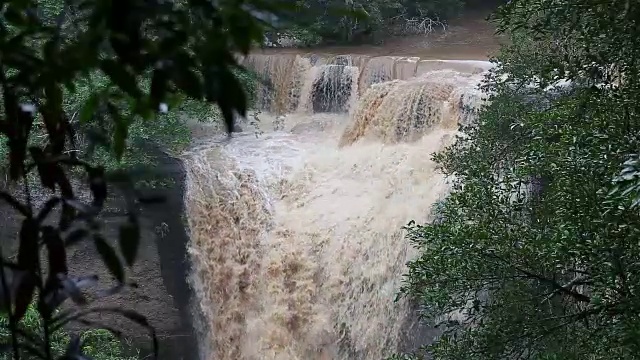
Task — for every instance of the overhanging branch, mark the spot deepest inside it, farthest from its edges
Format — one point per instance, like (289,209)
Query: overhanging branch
(558,288)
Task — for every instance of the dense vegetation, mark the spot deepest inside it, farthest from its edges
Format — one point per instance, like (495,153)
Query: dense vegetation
(538,243)
(324,21)
(99,344)
(80,82)
(170,130)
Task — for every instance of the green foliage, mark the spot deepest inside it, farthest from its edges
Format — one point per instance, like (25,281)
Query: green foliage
(402,357)
(307,36)
(82,83)
(99,344)
(537,243)
(170,129)
(331,21)
(31,324)
(627,183)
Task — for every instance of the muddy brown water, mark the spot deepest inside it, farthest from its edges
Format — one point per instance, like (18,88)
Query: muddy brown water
(164,295)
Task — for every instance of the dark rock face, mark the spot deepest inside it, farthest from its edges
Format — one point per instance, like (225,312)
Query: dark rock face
(343,60)
(417,334)
(171,242)
(313,59)
(163,294)
(332,90)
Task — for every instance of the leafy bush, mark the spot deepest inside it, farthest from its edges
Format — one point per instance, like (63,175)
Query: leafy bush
(98,344)
(170,129)
(535,254)
(78,78)
(331,21)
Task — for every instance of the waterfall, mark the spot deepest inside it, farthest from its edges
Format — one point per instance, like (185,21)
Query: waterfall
(296,236)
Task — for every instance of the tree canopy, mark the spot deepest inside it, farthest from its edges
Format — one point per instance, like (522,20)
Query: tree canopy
(94,71)
(537,243)
(325,21)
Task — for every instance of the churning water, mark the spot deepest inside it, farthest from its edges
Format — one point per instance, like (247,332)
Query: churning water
(296,239)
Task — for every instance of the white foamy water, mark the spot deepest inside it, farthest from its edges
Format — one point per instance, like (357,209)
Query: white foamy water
(296,235)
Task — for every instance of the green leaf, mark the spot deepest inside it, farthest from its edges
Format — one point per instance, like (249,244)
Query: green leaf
(109,257)
(141,320)
(123,77)
(15,17)
(159,82)
(130,240)
(121,131)
(57,254)
(28,247)
(120,139)
(188,81)
(25,289)
(89,108)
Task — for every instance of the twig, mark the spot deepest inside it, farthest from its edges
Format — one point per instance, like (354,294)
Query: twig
(578,280)
(558,287)
(13,327)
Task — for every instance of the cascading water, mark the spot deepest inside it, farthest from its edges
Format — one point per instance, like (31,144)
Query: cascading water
(296,237)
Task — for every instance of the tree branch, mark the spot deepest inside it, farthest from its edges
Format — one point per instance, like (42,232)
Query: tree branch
(557,286)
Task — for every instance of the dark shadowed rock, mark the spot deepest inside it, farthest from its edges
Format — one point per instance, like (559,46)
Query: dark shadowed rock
(331,91)
(161,269)
(417,334)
